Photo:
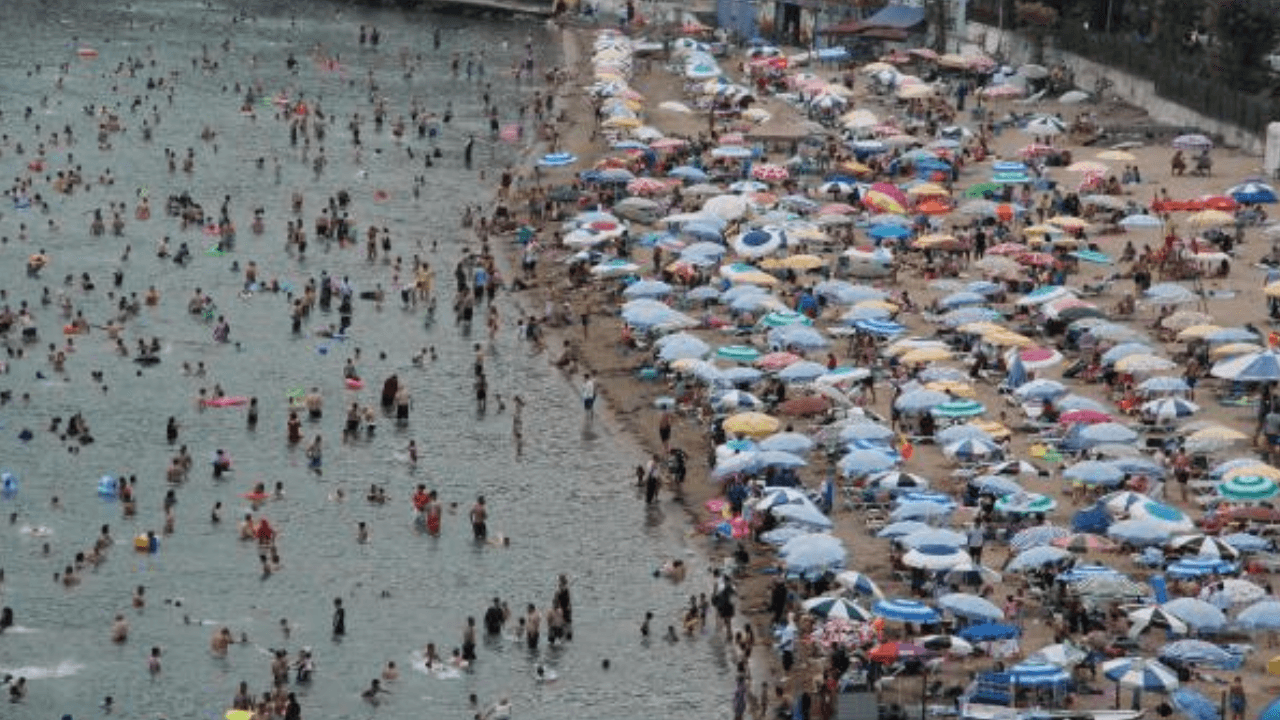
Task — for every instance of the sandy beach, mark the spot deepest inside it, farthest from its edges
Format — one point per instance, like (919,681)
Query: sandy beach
(1231,299)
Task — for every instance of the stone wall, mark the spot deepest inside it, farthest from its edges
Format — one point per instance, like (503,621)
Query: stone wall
(1133,89)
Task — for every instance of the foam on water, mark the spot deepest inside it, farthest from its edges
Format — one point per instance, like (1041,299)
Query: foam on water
(66,668)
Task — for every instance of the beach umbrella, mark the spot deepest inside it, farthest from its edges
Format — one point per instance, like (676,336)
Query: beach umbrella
(1108,432)
(1263,615)
(901,528)
(813,553)
(1196,652)
(797,336)
(752,424)
(918,401)
(1157,617)
(1252,193)
(1196,613)
(1163,384)
(647,288)
(759,242)
(1239,591)
(1064,655)
(727,400)
(1214,437)
(1081,543)
(1193,141)
(1110,587)
(1013,467)
(964,431)
(1037,557)
(1246,542)
(856,582)
(936,557)
(997,485)
(1170,408)
(1141,673)
(1196,706)
(1255,367)
(1139,532)
(950,644)
(1248,489)
(958,408)
(1166,515)
(864,429)
(1093,472)
(1045,125)
(990,632)
(803,371)
(1030,674)
(1026,504)
(1083,416)
(1141,221)
(933,536)
(971,575)
(560,159)
(738,353)
(1037,536)
(896,481)
(835,608)
(683,347)
(1124,350)
(1205,546)
(904,610)
(1168,293)
(1040,389)
(864,462)
(1198,567)
(970,606)
(891,652)
(791,442)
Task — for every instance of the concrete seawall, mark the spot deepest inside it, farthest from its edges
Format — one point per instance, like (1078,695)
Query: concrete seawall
(1135,90)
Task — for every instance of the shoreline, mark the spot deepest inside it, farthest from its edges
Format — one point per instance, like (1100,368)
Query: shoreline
(627,402)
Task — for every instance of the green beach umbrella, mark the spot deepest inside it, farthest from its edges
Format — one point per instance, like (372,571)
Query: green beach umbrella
(738,353)
(977,191)
(783,318)
(1248,488)
(960,407)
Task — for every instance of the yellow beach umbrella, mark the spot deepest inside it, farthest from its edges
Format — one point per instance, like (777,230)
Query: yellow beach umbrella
(906,345)
(1195,332)
(1006,338)
(1069,222)
(927,189)
(754,277)
(1210,218)
(795,262)
(238,715)
(982,327)
(1216,434)
(1042,230)
(1258,469)
(752,423)
(1233,349)
(1144,362)
(1273,666)
(877,305)
(1116,156)
(915,92)
(934,240)
(621,121)
(994,429)
(926,354)
(955,387)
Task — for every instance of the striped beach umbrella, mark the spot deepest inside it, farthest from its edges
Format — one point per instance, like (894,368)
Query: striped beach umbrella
(959,407)
(738,353)
(1248,489)
(904,610)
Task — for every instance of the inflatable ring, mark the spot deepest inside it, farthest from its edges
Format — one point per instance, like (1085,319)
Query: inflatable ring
(381,196)
(355,384)
(255,496)
(87,52)
(212,230)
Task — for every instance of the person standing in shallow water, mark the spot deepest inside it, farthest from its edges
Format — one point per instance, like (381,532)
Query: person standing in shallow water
(479,518)
(339,618)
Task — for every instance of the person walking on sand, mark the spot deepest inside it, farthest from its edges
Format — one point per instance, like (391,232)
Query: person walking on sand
(339,618)
(517,426)
(589,395)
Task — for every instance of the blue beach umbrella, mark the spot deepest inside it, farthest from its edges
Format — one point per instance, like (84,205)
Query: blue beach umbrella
(904,610)
(1037,557)
(1038,536)
(1262,615)
(1030,674)
(1094,472)
(1141,673)
(970,606)
(989,632)
(1196,613)
(1197,652)
(1195,705)
(933,536)
(557,159)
